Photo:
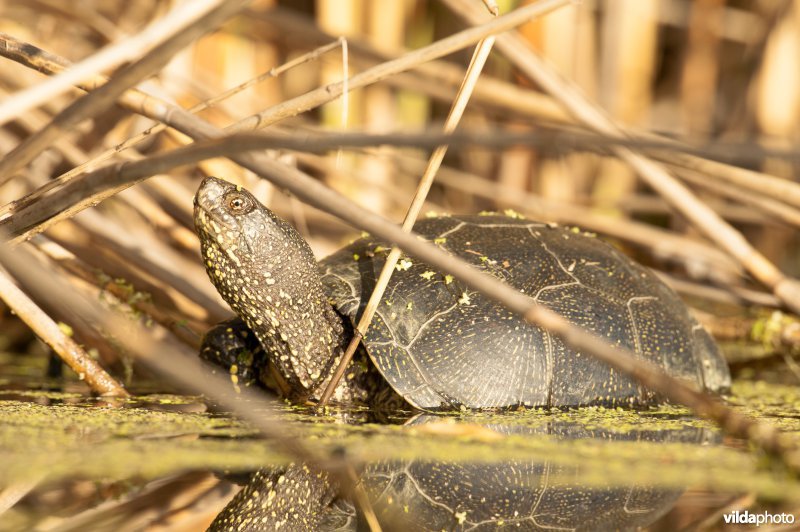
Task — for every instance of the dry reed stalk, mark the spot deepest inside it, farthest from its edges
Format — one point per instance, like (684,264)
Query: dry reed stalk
(776,209)
(53,335)
(626,78)
(48,63)
(700,73)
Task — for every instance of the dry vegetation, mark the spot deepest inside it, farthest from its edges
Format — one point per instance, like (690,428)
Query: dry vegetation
(666,126)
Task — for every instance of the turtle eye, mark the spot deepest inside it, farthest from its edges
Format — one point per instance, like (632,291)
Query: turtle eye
(238,203)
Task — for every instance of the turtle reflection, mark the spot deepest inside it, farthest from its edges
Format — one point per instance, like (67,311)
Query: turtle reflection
(534,494)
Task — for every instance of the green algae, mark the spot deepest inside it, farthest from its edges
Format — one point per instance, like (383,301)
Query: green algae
(146,437)
(778,404)
(105,443)
(63,422)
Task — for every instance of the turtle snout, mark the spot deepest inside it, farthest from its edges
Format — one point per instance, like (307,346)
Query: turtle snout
(210,192)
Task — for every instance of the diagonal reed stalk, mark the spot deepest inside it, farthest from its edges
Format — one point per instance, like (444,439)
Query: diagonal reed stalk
(453,118)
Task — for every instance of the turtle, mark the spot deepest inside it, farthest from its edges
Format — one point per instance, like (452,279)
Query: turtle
(434,344)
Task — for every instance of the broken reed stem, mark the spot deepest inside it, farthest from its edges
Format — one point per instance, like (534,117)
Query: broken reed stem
(750,180)
(48,330)
(778,210)
(474,70)
(732,295)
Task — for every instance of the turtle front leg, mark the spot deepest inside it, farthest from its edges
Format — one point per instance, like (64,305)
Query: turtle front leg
(232,346)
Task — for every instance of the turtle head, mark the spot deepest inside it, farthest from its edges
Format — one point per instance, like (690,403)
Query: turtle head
(244,229)
(268,275)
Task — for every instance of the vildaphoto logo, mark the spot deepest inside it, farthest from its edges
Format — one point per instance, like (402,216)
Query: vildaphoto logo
(763,518)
